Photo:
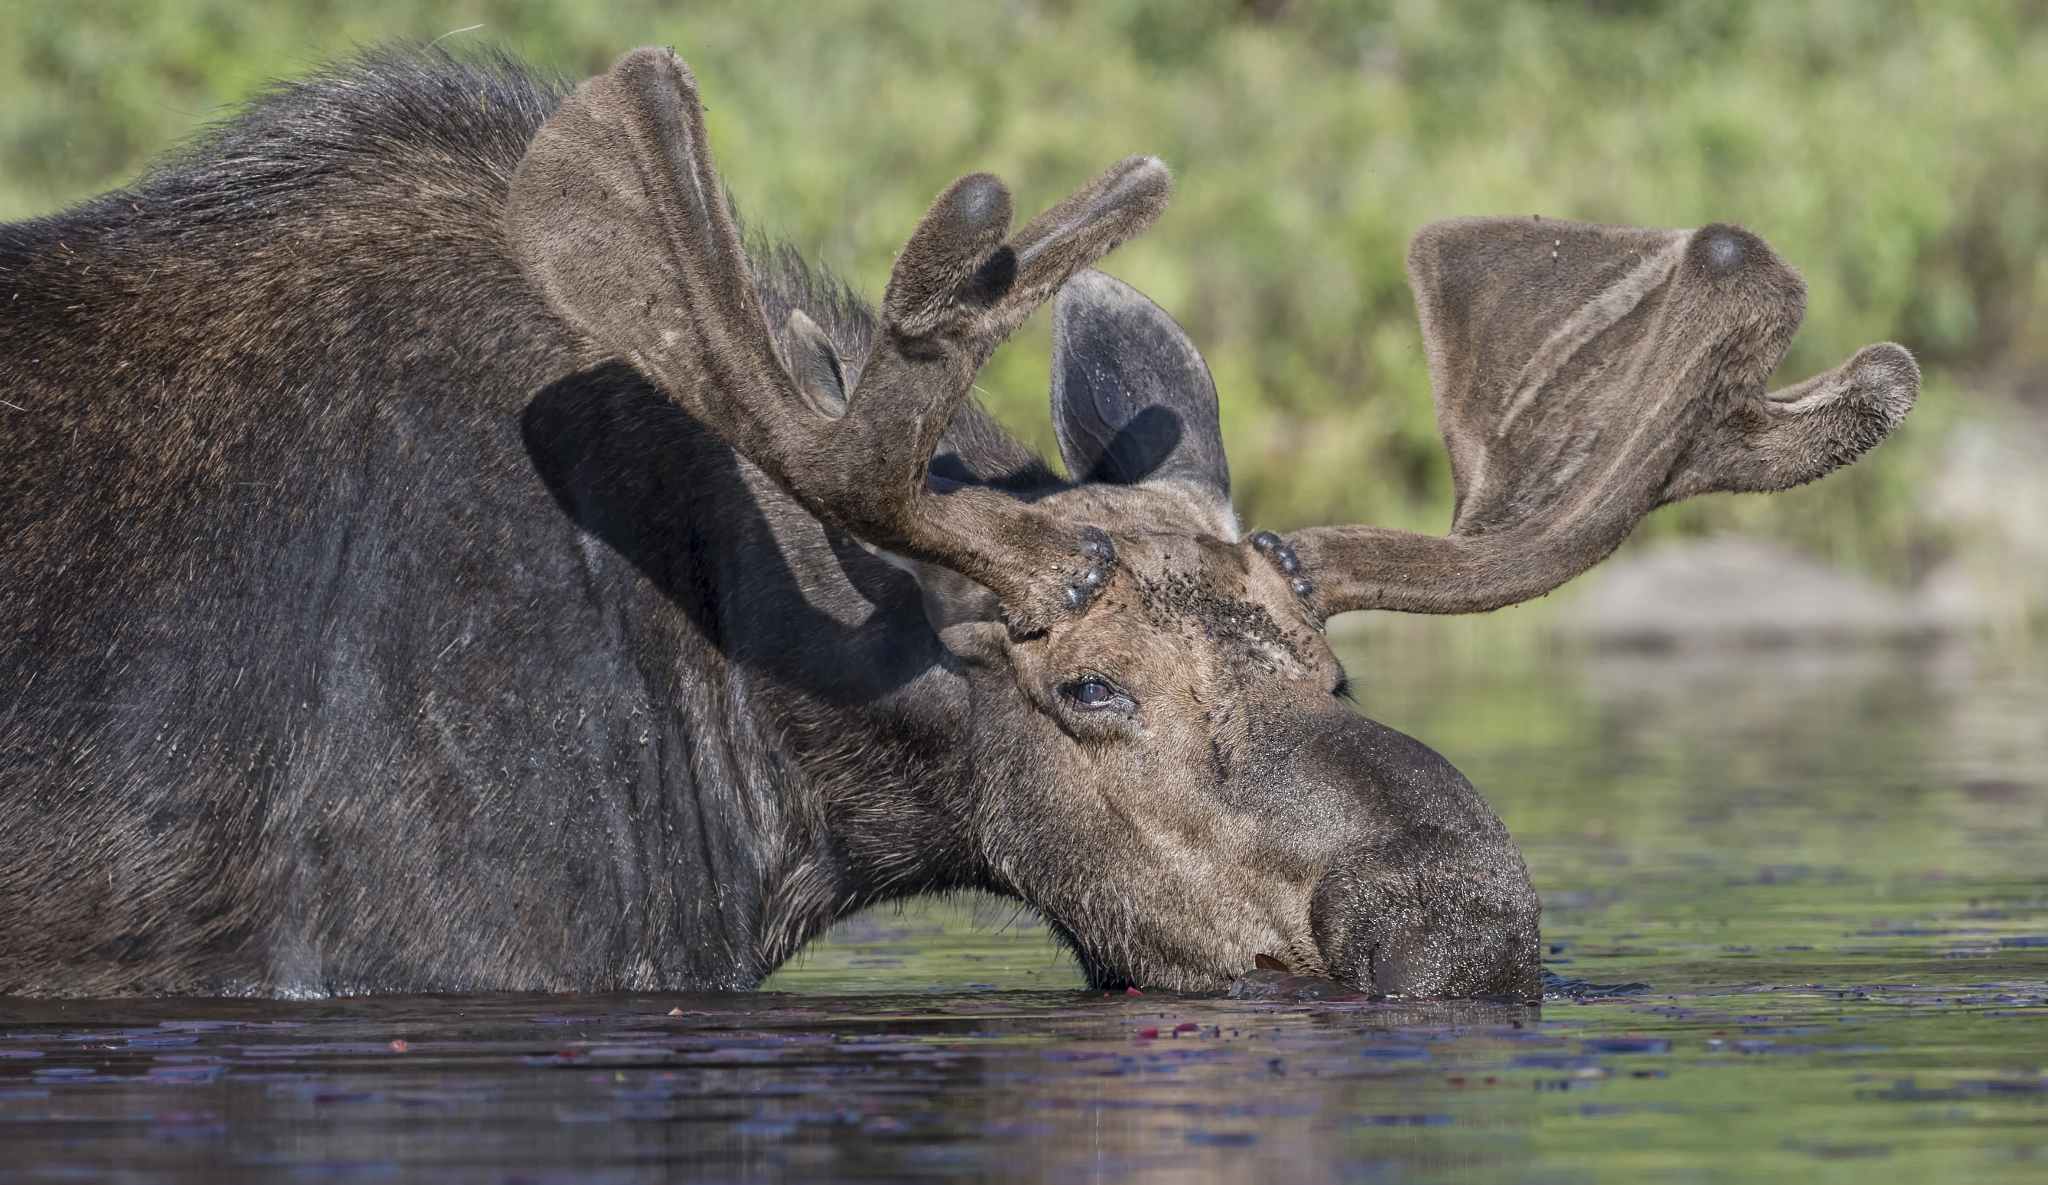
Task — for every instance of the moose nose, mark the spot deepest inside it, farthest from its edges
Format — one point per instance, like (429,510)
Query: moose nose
(1428,896)
(1397,927)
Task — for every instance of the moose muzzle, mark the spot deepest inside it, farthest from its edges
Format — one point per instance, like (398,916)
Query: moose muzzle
(1428,896)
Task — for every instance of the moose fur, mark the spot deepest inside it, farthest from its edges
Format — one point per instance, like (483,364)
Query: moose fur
(434,556)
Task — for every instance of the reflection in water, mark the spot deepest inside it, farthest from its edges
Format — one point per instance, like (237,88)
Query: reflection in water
(1829,864)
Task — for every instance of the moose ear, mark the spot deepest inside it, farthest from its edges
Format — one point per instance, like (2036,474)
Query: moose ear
(1132,400)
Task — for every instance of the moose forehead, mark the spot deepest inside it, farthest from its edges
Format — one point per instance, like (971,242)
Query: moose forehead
(1178,595)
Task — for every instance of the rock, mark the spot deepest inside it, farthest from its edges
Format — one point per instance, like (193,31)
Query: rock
(1734,592)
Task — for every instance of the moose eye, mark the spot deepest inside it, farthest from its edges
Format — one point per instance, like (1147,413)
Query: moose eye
(1096,693)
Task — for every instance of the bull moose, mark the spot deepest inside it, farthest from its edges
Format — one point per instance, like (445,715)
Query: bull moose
(436,555)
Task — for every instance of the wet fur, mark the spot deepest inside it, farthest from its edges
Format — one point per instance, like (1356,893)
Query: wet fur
(362,631)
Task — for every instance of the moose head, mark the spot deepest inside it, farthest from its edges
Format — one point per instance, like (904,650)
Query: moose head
(1162,759)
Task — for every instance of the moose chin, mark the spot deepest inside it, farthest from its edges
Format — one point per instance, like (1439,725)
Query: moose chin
(438,555)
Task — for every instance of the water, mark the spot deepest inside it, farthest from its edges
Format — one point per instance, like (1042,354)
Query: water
(1829,866)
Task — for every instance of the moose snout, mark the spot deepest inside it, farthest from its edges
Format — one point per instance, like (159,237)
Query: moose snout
(1410,935)
(1428,896)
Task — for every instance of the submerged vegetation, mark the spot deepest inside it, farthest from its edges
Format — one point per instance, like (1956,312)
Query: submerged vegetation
(1889,148)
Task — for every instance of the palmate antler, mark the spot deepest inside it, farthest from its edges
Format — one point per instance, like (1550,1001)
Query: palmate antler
(616,215)
(1584,376)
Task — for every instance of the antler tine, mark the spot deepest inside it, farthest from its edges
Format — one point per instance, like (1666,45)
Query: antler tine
(659,275)
(1584,376)
(960,287)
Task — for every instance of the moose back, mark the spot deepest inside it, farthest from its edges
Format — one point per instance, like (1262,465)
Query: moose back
(436,556)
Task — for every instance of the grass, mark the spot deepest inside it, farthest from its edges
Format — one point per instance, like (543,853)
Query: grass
(1888,147)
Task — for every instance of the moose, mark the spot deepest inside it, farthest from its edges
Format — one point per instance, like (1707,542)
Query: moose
(439,554)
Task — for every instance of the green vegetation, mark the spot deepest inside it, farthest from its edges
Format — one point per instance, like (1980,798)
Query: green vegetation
(1889,147)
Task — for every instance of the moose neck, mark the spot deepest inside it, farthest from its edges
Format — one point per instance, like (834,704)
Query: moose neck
(872,711)
(844,718)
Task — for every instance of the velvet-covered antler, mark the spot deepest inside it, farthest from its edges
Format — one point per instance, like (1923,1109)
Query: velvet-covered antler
(1585,375)
(615,214)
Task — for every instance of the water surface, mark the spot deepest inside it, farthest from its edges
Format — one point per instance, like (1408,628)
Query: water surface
(1828,866)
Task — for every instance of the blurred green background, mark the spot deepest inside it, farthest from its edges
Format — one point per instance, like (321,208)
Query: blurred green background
(1892,149)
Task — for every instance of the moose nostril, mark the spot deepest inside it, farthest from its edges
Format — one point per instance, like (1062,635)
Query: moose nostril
(1394,972)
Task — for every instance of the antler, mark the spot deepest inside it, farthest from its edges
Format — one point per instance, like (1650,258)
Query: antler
(616,215)
(1585,375)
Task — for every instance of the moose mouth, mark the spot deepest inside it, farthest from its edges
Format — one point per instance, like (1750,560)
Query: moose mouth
(1468,936)
(1272,979)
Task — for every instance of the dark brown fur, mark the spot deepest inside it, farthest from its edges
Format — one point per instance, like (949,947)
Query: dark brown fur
(434,556)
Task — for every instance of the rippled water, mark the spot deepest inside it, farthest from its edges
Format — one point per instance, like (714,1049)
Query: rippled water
(1828,866)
